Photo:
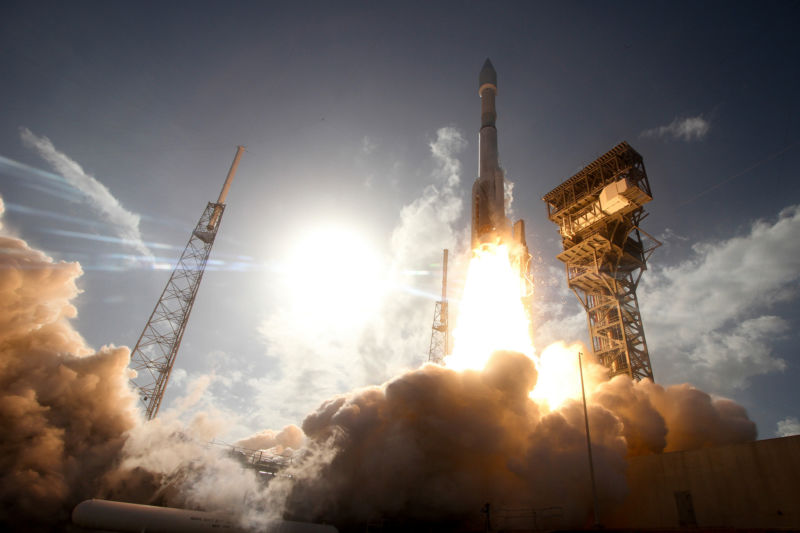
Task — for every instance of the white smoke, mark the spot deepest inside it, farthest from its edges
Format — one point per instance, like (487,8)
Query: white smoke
(64,408)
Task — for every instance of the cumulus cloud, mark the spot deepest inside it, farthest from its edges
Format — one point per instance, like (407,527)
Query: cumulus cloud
(788,426)
(278,442)
(429,444)
(98,196)
(167,462)
(367,145)
(709,318)
(682,128)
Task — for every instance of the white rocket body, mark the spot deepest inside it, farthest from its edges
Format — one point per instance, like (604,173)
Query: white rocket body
(489,222)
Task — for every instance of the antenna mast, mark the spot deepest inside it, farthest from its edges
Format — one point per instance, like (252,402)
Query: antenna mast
(154,354)
(440,334)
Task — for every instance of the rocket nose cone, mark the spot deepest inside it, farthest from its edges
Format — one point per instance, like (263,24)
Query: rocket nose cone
(487,75)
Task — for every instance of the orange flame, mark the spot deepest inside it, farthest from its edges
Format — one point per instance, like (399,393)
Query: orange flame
(492,317)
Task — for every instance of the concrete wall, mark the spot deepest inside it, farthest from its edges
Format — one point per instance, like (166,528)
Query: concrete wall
(751,485)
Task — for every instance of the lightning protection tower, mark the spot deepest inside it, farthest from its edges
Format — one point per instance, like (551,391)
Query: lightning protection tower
(598,212)
(154,354)
(440,333)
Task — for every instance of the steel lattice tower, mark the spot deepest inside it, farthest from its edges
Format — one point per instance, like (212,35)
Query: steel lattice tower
(154,354)
(598,212)
(440,333)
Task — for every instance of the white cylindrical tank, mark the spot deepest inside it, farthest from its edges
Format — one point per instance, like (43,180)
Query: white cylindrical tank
(135,518)
(119,516)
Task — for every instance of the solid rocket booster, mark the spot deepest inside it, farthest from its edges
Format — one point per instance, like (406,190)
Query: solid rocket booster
(489,221)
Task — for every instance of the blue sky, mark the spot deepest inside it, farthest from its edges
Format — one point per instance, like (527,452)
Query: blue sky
(356,117)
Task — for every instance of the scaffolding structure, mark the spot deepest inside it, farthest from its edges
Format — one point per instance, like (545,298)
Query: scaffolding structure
(598,212)
(154,354)
(440,332)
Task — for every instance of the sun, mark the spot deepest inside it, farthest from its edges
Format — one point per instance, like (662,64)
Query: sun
(333,276)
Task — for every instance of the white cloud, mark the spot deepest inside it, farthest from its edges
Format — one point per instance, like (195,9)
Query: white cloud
(98,196)
(707,319)
(787,427)
(314,365)
(687,129)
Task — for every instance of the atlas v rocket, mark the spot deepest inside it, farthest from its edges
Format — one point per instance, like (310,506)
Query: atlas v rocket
(489,222)
(490,225)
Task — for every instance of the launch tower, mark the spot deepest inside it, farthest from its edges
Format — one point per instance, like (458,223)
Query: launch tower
(154,354)
(598,212)
(440,333)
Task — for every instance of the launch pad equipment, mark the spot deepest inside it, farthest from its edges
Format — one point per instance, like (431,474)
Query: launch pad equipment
(598,212)
(440,333)
(154,354)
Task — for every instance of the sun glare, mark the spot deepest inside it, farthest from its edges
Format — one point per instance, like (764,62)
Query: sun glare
(333,275)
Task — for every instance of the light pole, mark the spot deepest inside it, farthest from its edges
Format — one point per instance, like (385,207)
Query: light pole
(589,445)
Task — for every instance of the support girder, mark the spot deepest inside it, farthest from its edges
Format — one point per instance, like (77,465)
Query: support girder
(154,354)
(605,253)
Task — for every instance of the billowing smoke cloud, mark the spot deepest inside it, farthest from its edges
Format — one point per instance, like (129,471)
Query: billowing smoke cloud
(99,197)
(63,407)
(436,445)
(70,429)
(659,419)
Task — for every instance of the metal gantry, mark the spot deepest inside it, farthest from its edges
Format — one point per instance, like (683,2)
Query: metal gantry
(598,212)
(154,353)
(440,333)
